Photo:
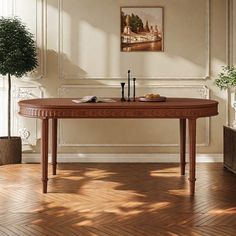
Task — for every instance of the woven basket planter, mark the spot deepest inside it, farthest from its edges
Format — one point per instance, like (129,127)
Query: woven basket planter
(10,150)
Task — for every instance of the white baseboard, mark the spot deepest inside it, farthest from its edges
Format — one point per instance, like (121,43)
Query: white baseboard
(120,158)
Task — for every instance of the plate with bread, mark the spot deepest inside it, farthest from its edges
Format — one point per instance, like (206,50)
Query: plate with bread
(150,97)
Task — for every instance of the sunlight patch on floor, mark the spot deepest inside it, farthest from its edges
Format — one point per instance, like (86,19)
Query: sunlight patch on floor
(167,172)
(158,206)
(179,192)
(223,211)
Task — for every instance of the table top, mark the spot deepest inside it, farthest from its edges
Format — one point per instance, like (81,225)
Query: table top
(66,108)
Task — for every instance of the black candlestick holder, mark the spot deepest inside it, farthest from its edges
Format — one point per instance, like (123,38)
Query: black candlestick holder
(134,79)
(128,86)
(122,91)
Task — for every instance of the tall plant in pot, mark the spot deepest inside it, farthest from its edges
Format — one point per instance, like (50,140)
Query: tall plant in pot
(17,57)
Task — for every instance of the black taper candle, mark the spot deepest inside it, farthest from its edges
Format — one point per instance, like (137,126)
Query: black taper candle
(134,79)
(129,86)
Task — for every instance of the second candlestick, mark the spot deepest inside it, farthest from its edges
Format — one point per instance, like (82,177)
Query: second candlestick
(129,86)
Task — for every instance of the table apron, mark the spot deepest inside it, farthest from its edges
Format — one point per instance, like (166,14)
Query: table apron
(113,113)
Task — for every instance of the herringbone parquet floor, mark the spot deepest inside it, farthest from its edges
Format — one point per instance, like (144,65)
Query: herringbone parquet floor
(117,200)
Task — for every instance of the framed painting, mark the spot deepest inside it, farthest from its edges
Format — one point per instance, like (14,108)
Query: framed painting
(141,29)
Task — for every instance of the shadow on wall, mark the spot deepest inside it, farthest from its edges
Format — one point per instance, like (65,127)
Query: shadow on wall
(65,65)
(92,33)
(55,71)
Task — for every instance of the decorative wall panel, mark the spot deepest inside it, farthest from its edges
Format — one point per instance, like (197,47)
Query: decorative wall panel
(90,45)
(233,29)
(37,26)
(7,7)
(27,128)
(128,132)
(3,116)
(35,22)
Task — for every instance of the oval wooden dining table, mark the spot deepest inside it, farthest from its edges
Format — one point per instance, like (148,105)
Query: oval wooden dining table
(173,108)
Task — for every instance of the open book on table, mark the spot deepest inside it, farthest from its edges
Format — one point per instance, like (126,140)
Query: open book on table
(93,99)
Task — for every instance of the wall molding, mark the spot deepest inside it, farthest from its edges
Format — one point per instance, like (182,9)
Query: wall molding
(40,35)
(229,51)
(60,39)
(229,33)
(7,7)
(41,39)
(29,134)
(207,75)
(233,4)
(120,158)
(203,91)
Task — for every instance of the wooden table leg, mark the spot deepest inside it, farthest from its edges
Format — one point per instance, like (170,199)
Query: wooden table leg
(182,145)
(192,154)
(54,146)
(44,154)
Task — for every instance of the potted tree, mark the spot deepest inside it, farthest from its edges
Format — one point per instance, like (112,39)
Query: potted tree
(17,57)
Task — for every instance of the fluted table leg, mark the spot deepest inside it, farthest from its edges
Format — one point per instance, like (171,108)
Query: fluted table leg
(54,146)
(44,154)
(182,145)
(192,154)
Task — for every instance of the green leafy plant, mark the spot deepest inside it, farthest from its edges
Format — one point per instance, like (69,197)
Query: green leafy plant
(227,78)
(17,53)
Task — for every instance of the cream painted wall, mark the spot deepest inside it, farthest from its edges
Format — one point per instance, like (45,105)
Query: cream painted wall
(233,45)
(91,48)
(79,52)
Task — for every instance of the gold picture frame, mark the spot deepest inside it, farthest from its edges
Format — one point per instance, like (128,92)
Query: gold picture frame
(142,29)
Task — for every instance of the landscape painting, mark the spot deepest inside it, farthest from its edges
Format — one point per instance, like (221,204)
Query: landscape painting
(141,29)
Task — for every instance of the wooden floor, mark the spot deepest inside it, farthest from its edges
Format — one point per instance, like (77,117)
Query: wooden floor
(117,200)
